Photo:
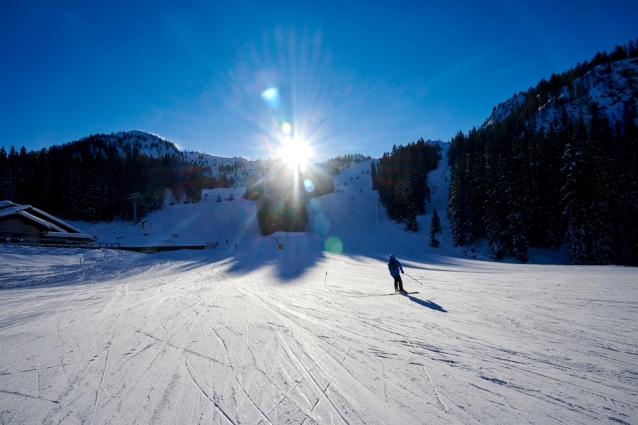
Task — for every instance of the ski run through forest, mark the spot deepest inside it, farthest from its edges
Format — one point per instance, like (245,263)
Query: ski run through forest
(251,334)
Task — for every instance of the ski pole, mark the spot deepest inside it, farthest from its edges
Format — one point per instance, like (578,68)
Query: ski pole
(411,278)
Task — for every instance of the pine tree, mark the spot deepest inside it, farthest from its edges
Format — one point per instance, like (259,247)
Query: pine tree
(517,207)
(628,199)
(91,194)
(404,205)
(373,175)
(435,227)
(455,208)
(586,202)
(43,178)
(411,223)
(4,175)
(409,164)
(436,222)
(497,194)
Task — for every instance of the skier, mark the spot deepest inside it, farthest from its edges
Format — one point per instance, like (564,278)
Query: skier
(394,266)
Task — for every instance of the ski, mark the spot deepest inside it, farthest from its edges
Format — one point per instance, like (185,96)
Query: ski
(403,293)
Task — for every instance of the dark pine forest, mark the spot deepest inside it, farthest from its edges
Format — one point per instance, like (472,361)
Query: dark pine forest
(573,182)
(90,180)
(400,179)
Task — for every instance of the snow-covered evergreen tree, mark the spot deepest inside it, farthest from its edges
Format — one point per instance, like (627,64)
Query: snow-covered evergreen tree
(510,184)
(373,174)
(586,200)
(405,209)
(455,209)
(435,227)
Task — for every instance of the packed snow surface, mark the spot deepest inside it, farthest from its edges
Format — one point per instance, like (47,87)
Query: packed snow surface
(308,334)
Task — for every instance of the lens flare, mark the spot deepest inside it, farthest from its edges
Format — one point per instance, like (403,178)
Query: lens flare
(286,128)
(295,152)
(308,185)
(271,97)
(321,224)
(333,244)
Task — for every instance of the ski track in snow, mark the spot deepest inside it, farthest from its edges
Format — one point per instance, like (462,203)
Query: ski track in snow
(303,336)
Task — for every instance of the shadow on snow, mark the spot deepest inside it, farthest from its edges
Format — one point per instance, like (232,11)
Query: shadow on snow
(427,303)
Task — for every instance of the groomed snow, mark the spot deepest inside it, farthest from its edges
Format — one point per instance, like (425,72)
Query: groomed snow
(302,335)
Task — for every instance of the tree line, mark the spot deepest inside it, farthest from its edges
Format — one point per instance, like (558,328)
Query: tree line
(519,187)
(400,179)
(90,180)
(334,165)
(536,97)
(282,195)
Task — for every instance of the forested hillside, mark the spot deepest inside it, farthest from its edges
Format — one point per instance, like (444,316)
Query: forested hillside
(556,164)
(400,179)
(91,179)
(283,192)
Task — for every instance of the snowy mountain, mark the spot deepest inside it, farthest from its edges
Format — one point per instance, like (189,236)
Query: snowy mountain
(505,109)
(309,334)
(555,166)
(127,141)
(239,171)
(610,90)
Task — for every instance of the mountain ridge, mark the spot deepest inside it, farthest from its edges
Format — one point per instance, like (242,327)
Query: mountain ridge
(611,86)
(556,164)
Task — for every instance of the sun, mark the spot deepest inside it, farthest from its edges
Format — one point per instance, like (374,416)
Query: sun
(295,152)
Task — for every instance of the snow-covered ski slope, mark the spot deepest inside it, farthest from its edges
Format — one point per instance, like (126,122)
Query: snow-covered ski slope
(258,335)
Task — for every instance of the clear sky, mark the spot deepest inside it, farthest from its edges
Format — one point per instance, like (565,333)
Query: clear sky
(349,77)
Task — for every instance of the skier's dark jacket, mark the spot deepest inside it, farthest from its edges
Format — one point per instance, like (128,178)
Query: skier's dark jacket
(394,266)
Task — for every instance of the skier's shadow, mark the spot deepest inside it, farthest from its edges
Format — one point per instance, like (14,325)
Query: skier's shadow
(426,303)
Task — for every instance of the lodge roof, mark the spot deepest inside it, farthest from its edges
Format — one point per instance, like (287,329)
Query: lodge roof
(52,227)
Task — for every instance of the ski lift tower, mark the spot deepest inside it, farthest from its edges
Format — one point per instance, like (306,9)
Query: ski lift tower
(134,197)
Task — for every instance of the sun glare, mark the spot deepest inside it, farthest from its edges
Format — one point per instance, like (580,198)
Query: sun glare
(296,152)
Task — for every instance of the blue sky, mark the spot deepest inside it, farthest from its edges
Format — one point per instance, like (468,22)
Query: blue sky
(351,77)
